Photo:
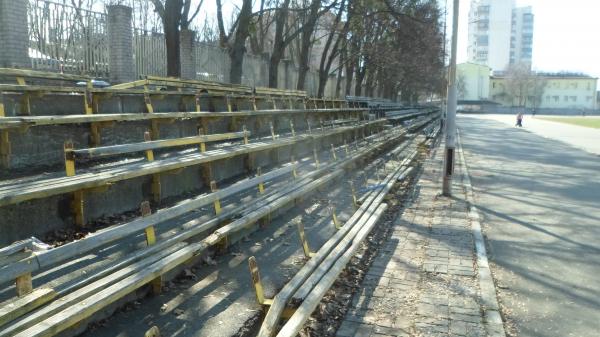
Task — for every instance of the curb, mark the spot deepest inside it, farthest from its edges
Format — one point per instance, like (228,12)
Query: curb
(492,318)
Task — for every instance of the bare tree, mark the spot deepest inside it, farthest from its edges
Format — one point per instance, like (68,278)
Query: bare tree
(175,15)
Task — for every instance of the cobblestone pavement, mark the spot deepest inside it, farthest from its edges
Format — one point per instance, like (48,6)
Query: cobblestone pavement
(424,280)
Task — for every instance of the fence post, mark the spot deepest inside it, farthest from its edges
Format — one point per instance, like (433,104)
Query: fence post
(186,54)
(14,37)
(120,44)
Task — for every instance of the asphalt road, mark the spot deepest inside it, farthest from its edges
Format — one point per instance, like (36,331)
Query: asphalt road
(540,201)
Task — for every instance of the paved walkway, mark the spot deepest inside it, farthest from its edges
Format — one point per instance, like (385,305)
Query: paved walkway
(539,200)
(587,139)
(424,282)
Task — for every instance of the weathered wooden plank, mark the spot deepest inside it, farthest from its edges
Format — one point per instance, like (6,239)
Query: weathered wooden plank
(14,308)
(42,74)
(155,144)
(98,300)
(32,121)
(28,191)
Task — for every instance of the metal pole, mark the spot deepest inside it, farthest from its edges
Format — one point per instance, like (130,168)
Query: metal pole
(451,109)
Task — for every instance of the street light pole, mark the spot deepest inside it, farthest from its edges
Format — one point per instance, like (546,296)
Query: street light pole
(451,109)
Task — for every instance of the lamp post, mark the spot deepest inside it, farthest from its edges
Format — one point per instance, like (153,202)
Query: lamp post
(451,109)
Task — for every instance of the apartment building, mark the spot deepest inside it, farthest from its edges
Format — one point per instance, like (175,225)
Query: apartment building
(499,33)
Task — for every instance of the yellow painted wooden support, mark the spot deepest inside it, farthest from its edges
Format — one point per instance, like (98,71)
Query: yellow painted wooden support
(333,155)
(154,129)
(303,241)
(152,332)
(272,130)
(2,112)
(228,99)
(274,103)
(88,99)
(21,80)
(245,130)
(149,153)
(95,134)
(304,103)
(69,158)
(292,128)
(150,233)
(77,206)
(202,144)
(23,284)
(353,191)
(315,155)
(291,104)
(148,100)
(217,202)
(25,104)
(5,150)
(256,282)
(156,187)
(254,102)
(197,102)
(261,186)
(336,222)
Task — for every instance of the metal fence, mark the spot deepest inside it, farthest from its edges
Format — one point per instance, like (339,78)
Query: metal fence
(67,39)
(149,53)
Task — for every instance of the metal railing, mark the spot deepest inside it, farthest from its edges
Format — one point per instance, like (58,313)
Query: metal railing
(67,39)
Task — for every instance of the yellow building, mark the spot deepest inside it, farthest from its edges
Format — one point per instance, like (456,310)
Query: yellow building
(555,91)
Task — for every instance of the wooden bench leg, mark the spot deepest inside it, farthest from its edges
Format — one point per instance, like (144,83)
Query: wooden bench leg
(77,206)
(23,284)
(4,149)
(157,283)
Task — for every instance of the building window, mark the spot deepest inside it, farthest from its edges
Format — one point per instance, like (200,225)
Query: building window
(556,98)
(574,98)
(566,98)
(482,40)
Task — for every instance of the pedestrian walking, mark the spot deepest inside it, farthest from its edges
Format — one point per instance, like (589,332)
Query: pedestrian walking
(519,120)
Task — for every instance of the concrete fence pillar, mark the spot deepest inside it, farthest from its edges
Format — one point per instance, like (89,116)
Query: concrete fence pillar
(120,45)
(14,38)
(187,54)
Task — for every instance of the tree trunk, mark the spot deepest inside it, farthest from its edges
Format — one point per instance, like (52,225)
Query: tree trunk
(238,49)
(171,20)
(309,28)
(278,44)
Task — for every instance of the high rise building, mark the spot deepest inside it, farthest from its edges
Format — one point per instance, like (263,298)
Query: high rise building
(499,33)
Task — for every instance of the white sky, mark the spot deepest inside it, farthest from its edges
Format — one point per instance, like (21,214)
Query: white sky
(565,34)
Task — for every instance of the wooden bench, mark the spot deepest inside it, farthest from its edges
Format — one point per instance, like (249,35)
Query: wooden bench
(165,255)
(99,179)
(99,121)
(21,76)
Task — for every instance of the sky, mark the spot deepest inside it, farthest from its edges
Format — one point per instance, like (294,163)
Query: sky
(566,34)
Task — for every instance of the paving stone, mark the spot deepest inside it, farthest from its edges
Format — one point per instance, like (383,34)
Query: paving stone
(423,282)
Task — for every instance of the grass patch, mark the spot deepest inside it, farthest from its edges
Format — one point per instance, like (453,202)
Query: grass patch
(589,122)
